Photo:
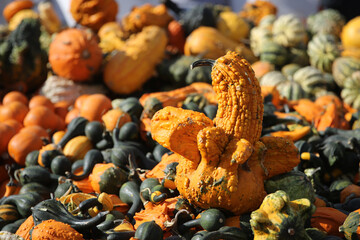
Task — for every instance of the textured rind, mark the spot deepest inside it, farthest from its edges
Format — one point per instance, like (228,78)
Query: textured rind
(51,229)
(240,106)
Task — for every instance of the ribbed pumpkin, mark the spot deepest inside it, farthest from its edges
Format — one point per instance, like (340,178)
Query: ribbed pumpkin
(350,38)
(273,78)
(77,147)
(323,49)
(274,53)
(351,90)
(344,67)
(311,79)
(74,54)
(93,14)
(258,35)
(145,49)
(291,90)
(232,25)
(288,31)
(327,21)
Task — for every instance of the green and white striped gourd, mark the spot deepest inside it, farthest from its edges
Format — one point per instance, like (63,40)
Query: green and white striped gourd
(291,90)
(323,49)
(267,21)
(327,21)
(344,67)
(288,30)
(311,79)
(274,53)
(351,91)
(257,36)
(273,78)
(299,56)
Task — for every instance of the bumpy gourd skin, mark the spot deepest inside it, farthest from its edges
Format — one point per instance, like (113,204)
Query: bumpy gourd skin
(222,162)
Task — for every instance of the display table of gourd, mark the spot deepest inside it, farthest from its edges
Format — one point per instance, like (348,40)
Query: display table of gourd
(223,162)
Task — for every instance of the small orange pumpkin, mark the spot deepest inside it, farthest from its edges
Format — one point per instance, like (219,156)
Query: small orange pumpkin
(23,143)
(15,96)
(13,110)
(94,106)
(6,133)
(74,54)
(115,118)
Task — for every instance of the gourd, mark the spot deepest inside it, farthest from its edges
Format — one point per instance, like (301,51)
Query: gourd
(58,89)
(280,218)
(93,15)
(255,11)
(258,35)
(148,230)
(323,49)
(48,17)
(7,133)
(25,227)
(176,35)
(273,78)
(327,21)
(211,158)
(130,194)
(294,183)
(8,212)
(146,15)
(311,79)
(75,128)
(25,68)
(288,31)
(91,158)
(23,202)
(344,67)
(53,209)
(106,177)
(349,36)
(351,90)
(53,229)
(350,227)
(77,148)
(211,43)
(15,6)
(210,220)
(145,48)
(329,220)
(74,54)
(273,53)
(232,26)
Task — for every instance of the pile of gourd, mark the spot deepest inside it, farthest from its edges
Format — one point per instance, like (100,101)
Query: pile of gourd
(178,124)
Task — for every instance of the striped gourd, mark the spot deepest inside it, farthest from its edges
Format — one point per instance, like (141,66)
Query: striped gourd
(291,90)
(351,91)
(273,78)
(257,36)
(274,53)
(288,31)
(343,67)
(323,49)
(327,21)
(311,79)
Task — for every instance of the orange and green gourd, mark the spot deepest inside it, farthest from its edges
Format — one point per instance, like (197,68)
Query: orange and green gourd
(224,162)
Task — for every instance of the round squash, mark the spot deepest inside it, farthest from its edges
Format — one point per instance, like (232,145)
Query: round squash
(350,36)
(327,21)
(74,54)
(95,106)
(343,67)
(351,90)
(288,31)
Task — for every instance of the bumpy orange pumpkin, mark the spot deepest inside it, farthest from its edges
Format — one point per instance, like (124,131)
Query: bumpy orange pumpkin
(224,162)
(93,13)
(51,229)
(74,54)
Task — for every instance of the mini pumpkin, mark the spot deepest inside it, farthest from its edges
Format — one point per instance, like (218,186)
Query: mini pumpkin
(351,90)
(74,54)
(288,31)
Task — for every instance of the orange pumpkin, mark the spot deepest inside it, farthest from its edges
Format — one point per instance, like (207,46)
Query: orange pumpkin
(74,54)
(23,143)
(6,133)
(15,6)
(15,96)
(115,118)
(13,110)
(38,130)
(40,100)
(44,117)
(14,124)
(51,229)
(94,106)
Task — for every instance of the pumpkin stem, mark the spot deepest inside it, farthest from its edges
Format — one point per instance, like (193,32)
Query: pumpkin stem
(202,62)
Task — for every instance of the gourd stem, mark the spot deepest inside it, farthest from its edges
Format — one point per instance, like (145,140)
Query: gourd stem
(192,223)
(202,62)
